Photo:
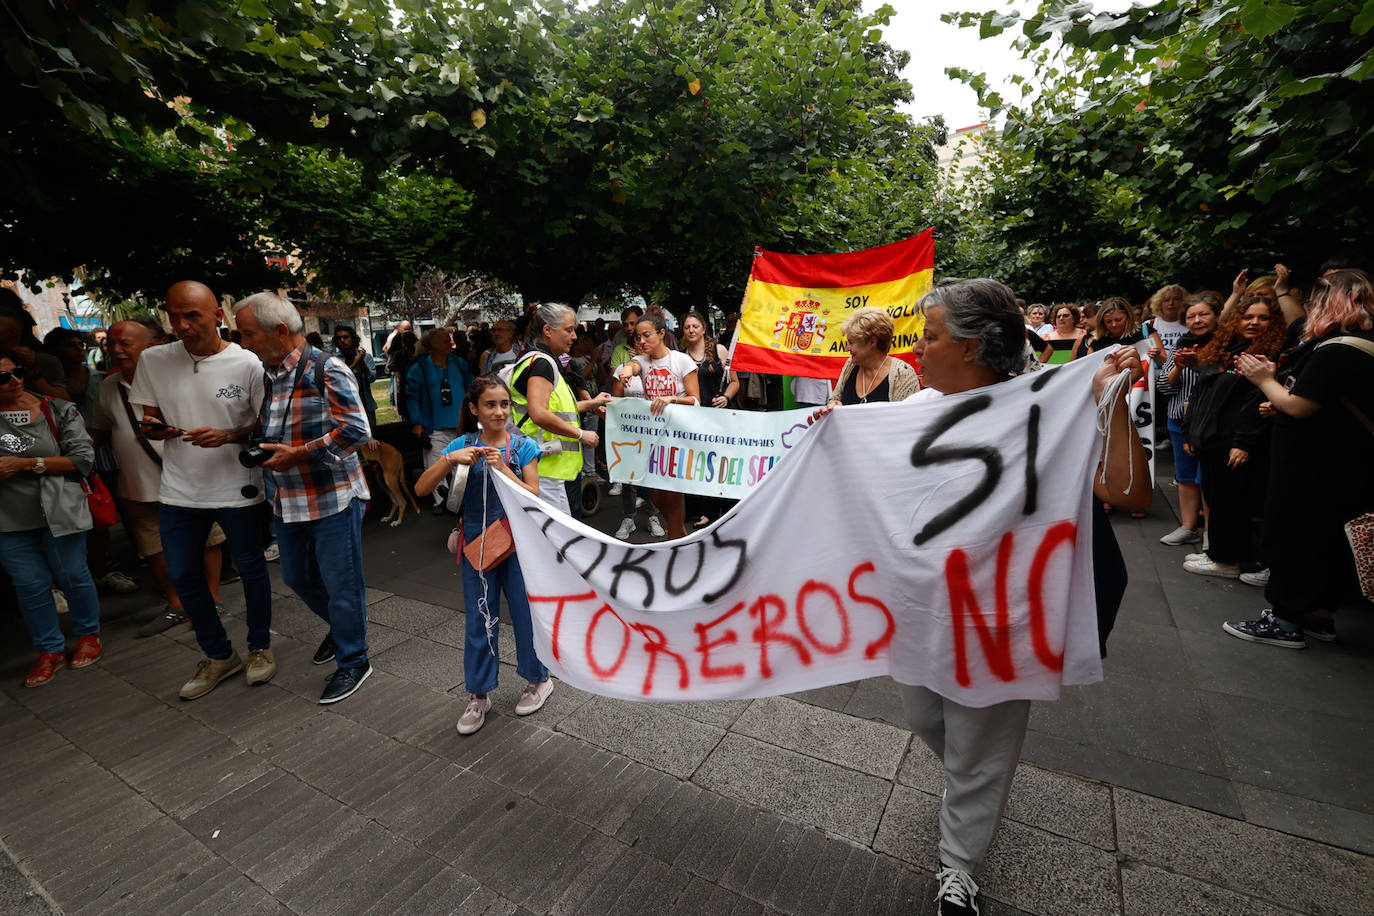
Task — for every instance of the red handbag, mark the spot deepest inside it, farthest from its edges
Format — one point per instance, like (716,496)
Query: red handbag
(98,498)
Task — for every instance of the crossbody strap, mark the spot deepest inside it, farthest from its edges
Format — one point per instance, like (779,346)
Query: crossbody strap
(57,437)
(133,424)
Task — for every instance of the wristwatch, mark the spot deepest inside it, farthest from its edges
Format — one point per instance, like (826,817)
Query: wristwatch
(39,467)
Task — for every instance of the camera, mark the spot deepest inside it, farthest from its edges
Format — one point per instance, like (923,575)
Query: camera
(254,455)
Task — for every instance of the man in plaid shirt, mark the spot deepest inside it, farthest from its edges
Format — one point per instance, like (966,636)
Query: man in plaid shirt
(313,411)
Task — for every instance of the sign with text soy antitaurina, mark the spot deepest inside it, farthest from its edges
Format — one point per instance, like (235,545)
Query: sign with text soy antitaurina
(698,449)
(945,541)
(794,305)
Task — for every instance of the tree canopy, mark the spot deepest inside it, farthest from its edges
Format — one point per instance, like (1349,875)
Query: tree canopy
(560,148)
(1175,141)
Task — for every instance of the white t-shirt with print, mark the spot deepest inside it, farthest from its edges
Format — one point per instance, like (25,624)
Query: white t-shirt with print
(1169,332)
(222,391)
(139,478)
(663,377)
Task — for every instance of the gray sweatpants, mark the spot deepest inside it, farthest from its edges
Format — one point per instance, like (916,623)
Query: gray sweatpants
(980,749)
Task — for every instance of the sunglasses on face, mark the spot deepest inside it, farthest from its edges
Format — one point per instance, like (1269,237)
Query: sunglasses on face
(17,372)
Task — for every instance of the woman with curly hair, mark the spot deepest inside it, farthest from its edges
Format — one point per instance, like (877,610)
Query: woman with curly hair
(1229,436)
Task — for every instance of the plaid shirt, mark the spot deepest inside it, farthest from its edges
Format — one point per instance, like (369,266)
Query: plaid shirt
(332,427)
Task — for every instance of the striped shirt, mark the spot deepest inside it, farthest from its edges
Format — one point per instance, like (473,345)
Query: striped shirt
(1179,395)
(332,425)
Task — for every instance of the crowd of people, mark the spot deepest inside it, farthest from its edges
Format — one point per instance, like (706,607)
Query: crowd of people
(212,447)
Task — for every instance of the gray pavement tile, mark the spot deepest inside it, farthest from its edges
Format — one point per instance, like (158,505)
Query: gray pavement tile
(648,733)
(291,617)
(448,839)
(444,894)
(1042,873)
(422,661)
(1285,870)
(377,702)
(1185,786)
(414,617)
(1149,891)
(526,764)
(716,837)
(720,713)
(762,884)
(1316,681)
(601,897)
(298,841)
(207,877)
(890,892)
(815,792)
(1064,805)
(1259,741)
(1306,818)
(20,895)
(544,847)
(664,832)
(704,898)
(612,794)
(753,845)
(203,779)
(85,817)
(421,799)
(230,822)
(350,864)
(1140,717)
(654,890)
(377,594)
(103,874)
(395,896)
(878,698)
(380,637)
(1148,651)
(910,827)
(848,895)
(808,857)
(834,696)
(869,747)
(578,872)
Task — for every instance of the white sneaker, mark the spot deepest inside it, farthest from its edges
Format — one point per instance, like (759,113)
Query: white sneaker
(272,554)
(639,502)
(533,697)
(1194,557)
(1207,567)
(1258,579)
(474,716)
(615,489)
(656,527)
(60,600)
(626,527)
(1180,536)
(115,581)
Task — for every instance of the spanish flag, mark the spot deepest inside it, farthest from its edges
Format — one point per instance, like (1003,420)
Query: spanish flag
(795,303)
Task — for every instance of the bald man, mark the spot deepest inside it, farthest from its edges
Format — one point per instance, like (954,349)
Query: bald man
(114,422)
(200,395)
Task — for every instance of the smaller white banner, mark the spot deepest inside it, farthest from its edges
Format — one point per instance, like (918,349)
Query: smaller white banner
(701,450)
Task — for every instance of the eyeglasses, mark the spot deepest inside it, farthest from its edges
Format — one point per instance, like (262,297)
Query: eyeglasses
(17,372)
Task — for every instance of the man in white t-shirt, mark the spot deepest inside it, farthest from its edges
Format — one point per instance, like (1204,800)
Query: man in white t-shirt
(200,395)
(137,485)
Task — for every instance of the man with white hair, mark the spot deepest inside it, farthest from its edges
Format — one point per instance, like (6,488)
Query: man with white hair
(311,426)
(201,395)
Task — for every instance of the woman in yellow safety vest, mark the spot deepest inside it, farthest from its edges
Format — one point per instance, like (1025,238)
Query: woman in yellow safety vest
(544,404)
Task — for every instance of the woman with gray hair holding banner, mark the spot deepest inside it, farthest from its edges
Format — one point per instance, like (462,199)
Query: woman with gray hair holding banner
(545,407)
(973,338)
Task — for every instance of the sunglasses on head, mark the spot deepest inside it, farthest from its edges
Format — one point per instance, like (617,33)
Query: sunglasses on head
(17,372)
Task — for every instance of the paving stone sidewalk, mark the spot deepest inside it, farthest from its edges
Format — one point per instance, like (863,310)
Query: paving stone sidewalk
(1204,776)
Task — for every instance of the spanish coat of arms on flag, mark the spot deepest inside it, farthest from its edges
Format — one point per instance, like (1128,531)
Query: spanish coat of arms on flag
(795,303)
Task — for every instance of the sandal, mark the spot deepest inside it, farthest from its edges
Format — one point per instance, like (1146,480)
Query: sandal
(87,651)
(44,667)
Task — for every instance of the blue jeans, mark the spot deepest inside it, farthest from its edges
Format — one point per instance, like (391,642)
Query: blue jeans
(37,560)
(184,531)
(322,561)
(480,660)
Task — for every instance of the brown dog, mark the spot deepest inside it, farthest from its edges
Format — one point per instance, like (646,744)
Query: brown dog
(392,466)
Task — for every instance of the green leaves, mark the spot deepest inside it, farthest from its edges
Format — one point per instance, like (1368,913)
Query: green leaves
(1262,18)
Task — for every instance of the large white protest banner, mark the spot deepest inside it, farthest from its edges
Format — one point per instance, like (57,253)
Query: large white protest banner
(698,449)
(945,541)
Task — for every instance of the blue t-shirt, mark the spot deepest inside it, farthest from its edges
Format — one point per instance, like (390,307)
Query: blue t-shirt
(474,521)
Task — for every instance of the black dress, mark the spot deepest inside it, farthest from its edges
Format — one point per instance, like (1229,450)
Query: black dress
(1319,479)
